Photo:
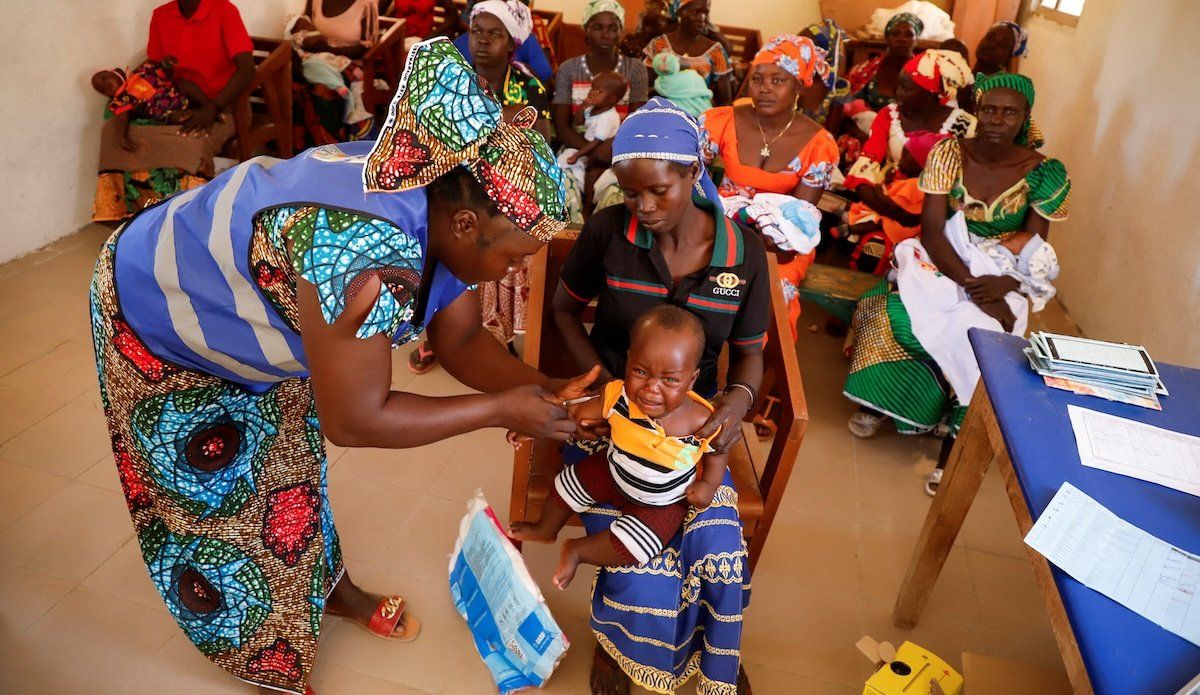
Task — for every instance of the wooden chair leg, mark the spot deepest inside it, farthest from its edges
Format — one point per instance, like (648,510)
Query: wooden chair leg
(969,460)
(764,425)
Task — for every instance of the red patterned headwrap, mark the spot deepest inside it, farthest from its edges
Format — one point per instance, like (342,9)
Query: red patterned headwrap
(940,72)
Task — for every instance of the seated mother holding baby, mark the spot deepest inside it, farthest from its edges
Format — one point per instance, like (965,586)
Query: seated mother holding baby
(777,160)
(678,614)
(989,202)
(169,116)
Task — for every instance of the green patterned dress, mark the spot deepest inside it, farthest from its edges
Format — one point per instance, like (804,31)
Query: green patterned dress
(891,372)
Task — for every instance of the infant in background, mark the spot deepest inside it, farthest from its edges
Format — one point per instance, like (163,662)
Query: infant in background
(598,118)
(147,92)
(337,72)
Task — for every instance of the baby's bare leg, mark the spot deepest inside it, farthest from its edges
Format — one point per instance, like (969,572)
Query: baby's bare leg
(597,549)
(577,487)
(545,530)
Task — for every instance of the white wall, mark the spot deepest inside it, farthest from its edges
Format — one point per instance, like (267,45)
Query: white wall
(50,117)
(1121,107)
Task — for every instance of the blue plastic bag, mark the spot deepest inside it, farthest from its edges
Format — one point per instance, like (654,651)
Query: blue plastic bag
(493,591)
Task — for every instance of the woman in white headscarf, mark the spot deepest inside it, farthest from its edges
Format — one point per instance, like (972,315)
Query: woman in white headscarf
(498,27)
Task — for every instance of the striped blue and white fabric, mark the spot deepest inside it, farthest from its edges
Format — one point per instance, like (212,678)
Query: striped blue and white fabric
(183,271)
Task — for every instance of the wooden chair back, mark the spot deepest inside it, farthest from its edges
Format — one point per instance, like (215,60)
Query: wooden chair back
(760,481)
(262,113)
(384,60)
(744,43)
(439,12)
(547,24)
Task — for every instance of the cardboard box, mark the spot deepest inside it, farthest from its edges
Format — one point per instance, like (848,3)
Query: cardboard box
(909,670)
(988,675)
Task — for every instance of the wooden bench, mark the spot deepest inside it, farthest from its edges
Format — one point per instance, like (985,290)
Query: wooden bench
(262,113)
(836,289)
(760,480)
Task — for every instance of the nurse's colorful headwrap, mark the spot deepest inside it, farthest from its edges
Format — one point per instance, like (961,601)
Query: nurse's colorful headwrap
(905,18)
(940,71)
(829,37)
(1020,38)
(441,118)
(662,130)
(797,55)
(1022,85)
(595,7)
(513,14)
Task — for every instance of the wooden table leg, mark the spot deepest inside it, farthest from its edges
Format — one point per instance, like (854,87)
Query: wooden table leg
(969,460)
(1060,624)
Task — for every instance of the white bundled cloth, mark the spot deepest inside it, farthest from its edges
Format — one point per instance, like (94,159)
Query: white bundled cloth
(940,310)
(938,25)
(793,224)
(1035,267)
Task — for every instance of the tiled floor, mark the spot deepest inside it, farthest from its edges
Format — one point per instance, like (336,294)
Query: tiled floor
(78,613)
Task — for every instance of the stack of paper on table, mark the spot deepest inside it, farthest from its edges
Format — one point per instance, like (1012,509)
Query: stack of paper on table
(1114,371)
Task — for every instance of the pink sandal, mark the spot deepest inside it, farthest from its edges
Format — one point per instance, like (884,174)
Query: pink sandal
(421,360)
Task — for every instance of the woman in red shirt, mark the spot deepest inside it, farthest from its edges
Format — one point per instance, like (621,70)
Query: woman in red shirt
(213,64)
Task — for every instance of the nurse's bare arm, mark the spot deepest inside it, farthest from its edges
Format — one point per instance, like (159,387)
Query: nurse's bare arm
(473,356)
(351,380)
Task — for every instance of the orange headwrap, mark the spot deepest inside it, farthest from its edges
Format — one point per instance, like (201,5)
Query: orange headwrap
(798,55)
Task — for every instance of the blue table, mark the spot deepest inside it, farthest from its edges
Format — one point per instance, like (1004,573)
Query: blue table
(1022,424)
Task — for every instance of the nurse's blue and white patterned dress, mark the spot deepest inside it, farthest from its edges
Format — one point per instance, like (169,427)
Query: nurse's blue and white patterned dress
(205,386)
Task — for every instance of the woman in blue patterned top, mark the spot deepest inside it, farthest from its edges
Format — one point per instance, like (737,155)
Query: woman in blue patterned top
(239,323)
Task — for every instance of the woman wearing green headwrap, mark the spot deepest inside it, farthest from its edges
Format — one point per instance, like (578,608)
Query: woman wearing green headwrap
(699,48)
(875,80)
(901,368)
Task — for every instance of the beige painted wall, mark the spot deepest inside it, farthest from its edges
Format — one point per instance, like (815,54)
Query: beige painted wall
(49,126)
(1123,112)
(50,117)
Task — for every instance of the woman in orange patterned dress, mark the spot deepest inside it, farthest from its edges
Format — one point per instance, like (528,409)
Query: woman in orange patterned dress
(769,147)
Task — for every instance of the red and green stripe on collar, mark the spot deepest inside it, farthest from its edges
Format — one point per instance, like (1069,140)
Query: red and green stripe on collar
(728,246)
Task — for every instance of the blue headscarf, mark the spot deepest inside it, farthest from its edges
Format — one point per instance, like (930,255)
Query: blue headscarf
(662,130)
(1020,38)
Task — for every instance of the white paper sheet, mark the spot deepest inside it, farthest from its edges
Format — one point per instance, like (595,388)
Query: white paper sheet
(1137,450)
(1108,554)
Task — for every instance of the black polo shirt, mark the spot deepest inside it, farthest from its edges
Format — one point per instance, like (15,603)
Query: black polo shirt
(616,262)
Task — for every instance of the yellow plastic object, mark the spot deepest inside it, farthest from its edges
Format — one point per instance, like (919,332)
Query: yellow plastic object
(910,673)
